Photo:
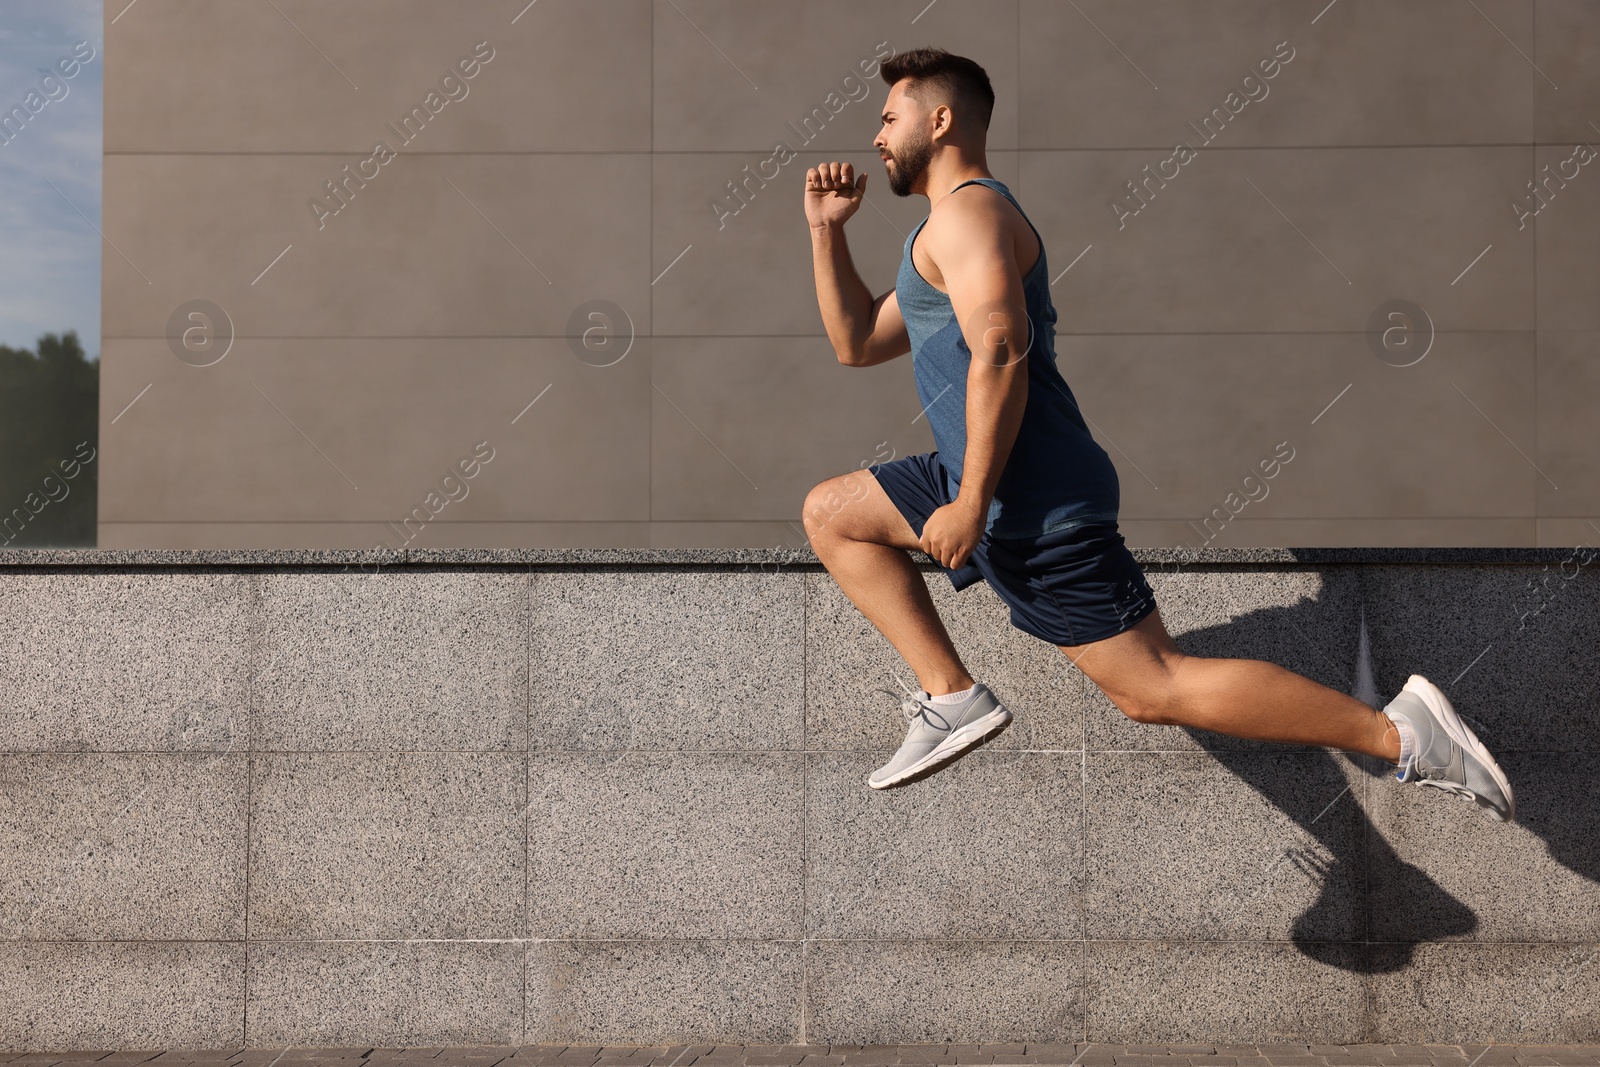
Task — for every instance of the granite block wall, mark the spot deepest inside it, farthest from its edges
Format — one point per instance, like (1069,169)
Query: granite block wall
(490,799)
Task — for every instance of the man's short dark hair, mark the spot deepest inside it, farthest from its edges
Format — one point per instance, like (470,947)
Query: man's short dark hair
(958,79)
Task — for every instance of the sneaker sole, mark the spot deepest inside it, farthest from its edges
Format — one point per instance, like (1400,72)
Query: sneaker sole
(1462,734)
(974,733)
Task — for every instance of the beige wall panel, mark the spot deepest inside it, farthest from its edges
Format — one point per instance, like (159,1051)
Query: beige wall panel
(433,246)
(742,429)
(1105,74)
(310,76)
(1318,243)
(1567,206)
(1197,414)
(731,75)
(1569,408)
(1331,533)
(362,431)
(1566,82)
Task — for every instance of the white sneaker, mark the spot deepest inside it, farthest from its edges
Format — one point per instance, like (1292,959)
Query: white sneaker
(1448,755)
(940,733)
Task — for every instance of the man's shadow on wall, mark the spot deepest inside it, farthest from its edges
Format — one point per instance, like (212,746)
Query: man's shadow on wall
(1319,637)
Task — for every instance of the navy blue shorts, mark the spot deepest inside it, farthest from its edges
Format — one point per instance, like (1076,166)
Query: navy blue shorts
(1067,587)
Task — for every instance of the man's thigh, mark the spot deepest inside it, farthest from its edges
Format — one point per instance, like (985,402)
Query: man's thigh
(855,506)
(1133,667)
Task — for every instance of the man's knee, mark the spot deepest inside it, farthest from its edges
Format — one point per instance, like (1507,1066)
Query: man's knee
(826,503)
(1153,698)
(1155,710)
(822,505)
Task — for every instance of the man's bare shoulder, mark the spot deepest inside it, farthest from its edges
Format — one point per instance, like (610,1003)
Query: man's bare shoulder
(971,220)
(970,209)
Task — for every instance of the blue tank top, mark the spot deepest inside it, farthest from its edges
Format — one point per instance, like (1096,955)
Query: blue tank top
(1056,475)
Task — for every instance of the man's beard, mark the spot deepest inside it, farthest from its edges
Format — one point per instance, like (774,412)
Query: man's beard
(909,163)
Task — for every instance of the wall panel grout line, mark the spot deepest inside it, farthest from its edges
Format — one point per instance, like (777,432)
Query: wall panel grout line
(1539,511)
(805,798)
(253,602)
(527,783)
(650,225)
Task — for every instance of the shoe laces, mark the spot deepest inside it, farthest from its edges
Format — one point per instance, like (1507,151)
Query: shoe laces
(1432,776)
(911,705)
(1458,790)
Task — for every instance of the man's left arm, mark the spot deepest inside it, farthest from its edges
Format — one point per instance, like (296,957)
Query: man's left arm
(980,271)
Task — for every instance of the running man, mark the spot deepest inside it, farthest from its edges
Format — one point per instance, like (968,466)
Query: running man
(1018,493)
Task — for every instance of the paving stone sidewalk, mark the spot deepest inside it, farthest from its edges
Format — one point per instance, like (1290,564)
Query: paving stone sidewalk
(946,1055)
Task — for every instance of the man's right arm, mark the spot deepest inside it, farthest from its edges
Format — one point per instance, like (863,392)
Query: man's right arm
(864,331)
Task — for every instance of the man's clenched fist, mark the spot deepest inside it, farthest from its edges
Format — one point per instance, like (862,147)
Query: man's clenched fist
(833,193)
